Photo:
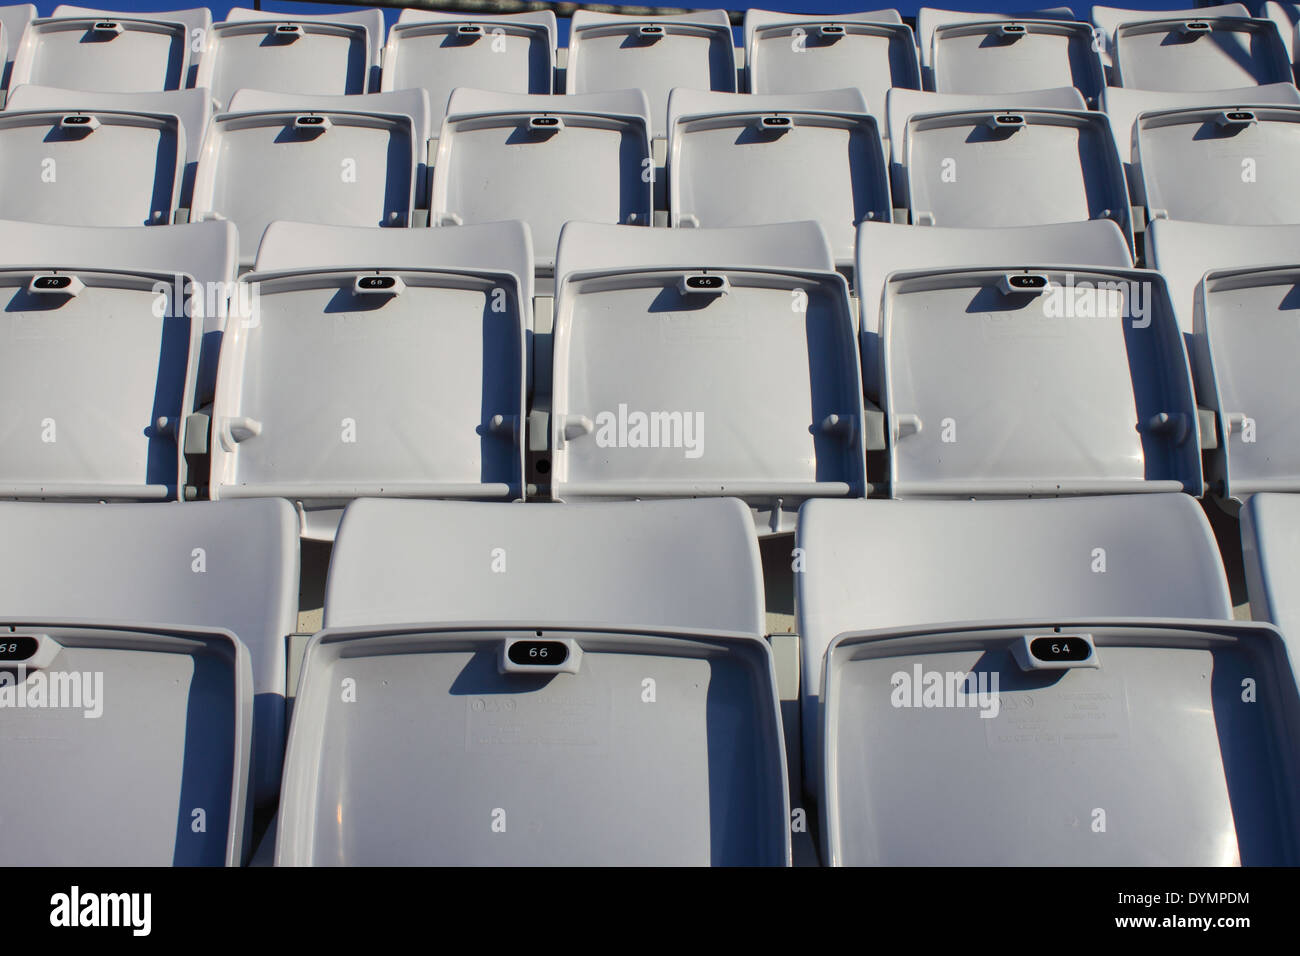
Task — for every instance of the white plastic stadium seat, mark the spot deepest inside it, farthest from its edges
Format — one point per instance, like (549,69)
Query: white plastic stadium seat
(930,19)
(100,167)
(1132,594)
(546,160)
(748,159)
(13,22)
(1124,106)
(1270,546)
(423,336)
(802,53)
(124,53)
(1004,54)
(438,52)
(135,583)
(1227,166)
(1185,251)
(1285,16)
(292,53)
(1246,320)
(197,20)
(193,107)
(901,105)
(884,248)
(658,334)
(111,325)
(1036,382)
(611,51)
(1108,19)
(578,714)
(1199,53)
(351,161)
(1013,167)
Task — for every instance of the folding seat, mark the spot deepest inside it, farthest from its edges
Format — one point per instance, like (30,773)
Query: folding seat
(513,53)
(1246,323)
(1124,106)
(613,51)
(1108,19)
(173,619)
(1184,252)
(13,21)
(1227,166)
(885,248)
(995,53)
(1285,16)
(595,690)
(657,336)
(901,105)
(1068,668)
(111,324)
(346,161)
(1270,547)
(293,53)
(749,159)
(375,362)
(106,167)
(1012,166)
(84,49)
(1200,51)
(1051,381)
(193,107)
(799,53)
(930,19)
(545,160)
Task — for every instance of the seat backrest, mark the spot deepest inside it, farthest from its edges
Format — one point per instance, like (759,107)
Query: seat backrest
(546,160)
(308,164)
(1108,19)
(802,53)
(370,18)
(1285,15)
(194,107)
(129,53)
(600,565)
(438,52)
(1233,167)
(292,53)
(1200,53)
(874,564)
(614,51)
(1246,322)
(1123,107)
(224,565)
(594,600)
(1270,547)
(902,104)
(197,20)
(13,23)
(748,159)
(1185,251)
(1053,700)
(411,103)
(1013,168)
(1006,54)
(100,168)
(410,406)
(649,406)
(967,368)
(930,19)
(884,248)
